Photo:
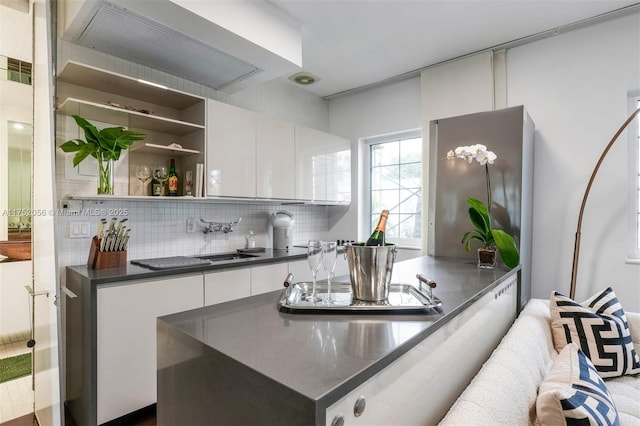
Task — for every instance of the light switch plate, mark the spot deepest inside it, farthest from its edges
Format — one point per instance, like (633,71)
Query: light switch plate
(79,229)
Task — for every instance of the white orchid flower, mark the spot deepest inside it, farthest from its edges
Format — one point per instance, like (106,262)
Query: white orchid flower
(486,157)
(478,149)
(451,155)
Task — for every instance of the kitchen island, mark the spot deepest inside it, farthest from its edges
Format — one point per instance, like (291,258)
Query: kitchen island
(245,362)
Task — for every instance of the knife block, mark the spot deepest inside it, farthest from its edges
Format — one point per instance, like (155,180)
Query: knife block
(105,259)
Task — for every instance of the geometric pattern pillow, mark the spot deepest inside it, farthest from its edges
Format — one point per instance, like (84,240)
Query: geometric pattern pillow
(573,393)
(599,327)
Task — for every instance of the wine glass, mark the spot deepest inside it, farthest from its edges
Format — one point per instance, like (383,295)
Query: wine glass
(329,257)
(314,257)
(143,173)
(161,174)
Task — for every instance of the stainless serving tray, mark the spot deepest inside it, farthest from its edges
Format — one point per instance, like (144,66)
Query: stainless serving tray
(403,298)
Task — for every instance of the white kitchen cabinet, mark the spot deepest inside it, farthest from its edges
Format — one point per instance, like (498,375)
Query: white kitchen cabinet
(231,151)
(322,166)
(126,339)
(268,278)
(310,164)
(338,169)
(226,285)
(275,158)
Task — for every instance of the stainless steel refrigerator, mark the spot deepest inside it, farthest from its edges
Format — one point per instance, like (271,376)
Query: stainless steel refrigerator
(509,133)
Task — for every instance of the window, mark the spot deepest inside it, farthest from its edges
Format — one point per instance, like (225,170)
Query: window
(395,183)
(16,69)
(634,183)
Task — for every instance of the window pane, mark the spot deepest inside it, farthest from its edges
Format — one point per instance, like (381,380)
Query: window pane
(385,177)
(386,199)
(410,226)
(411,150)
(385,153)
(410,202)
(411,175)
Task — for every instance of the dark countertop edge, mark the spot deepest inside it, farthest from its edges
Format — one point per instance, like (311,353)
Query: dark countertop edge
(329,398)
(135,272)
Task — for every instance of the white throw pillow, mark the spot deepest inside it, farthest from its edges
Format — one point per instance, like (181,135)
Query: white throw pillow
(599,327)
(574,393)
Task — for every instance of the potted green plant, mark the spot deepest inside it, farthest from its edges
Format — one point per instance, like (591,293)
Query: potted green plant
(480,215)
(104,145)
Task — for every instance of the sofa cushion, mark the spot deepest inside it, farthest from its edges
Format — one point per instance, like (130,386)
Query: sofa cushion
(599,327)
(574,393)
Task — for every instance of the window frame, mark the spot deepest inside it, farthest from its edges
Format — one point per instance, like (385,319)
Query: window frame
(633,241)
(366,213)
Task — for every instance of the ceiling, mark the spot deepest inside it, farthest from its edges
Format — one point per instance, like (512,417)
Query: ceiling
(349,44)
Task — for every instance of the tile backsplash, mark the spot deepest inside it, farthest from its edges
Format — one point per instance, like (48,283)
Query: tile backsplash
(159,229)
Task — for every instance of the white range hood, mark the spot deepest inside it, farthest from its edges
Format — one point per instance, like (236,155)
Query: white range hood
(226,45)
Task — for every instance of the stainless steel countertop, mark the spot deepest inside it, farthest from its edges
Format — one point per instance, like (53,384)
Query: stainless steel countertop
(321,356)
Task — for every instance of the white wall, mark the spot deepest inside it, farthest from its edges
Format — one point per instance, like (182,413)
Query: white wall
(390,108)
(575,87)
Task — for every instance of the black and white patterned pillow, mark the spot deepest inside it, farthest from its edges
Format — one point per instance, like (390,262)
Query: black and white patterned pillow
(599,327)
(573,393)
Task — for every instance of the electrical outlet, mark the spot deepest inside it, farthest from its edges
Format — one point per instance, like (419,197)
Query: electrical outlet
(79,230)
(191,226)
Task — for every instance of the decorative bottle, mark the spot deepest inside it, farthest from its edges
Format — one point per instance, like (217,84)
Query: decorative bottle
(173,179)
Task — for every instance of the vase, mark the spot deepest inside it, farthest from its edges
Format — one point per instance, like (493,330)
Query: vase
(486,258)
(105,175)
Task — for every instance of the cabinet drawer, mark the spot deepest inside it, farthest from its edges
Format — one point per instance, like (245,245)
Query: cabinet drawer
(226,285)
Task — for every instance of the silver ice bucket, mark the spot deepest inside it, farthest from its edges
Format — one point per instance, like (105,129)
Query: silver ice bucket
(370,269)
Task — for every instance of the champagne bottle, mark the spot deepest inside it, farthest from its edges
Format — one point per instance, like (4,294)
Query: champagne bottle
(377,237)
(173,179)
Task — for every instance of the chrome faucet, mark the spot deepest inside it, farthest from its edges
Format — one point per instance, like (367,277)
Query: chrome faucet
(210,226)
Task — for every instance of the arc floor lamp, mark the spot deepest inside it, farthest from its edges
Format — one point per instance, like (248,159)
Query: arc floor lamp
(576,250)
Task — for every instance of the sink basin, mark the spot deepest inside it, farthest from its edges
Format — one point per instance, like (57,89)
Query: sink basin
(226,256)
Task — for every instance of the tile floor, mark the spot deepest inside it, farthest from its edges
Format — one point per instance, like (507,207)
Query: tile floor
(16,396)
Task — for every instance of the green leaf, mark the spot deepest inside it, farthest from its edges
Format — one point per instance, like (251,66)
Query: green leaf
(471,236)
(506,247)
(90,131)
(478,205)
(72,145)
(85,150)
(480,221)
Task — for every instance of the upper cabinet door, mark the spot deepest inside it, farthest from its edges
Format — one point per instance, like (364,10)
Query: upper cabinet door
(310,164)
(338,169)
(231,151)
(275,158)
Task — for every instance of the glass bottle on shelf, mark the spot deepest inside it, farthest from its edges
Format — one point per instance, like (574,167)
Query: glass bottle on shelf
(173,179)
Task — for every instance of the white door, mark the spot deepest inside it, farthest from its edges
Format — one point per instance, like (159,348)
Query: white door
(46,313)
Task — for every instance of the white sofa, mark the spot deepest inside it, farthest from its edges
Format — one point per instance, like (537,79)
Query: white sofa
(504,391)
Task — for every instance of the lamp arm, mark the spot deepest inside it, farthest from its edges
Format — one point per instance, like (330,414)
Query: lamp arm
(576,249)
